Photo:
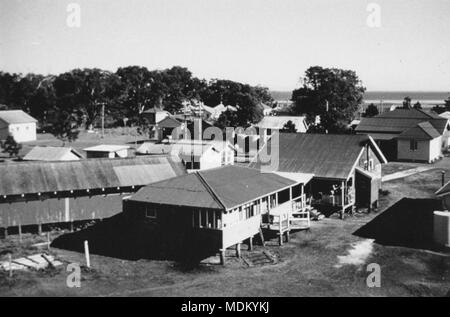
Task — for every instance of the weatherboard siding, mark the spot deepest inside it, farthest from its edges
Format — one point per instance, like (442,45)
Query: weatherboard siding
(427,150)
(61,209)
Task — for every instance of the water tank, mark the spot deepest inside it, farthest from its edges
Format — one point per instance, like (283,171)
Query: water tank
(441,224)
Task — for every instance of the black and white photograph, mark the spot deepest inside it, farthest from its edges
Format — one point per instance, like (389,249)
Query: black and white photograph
(225,154)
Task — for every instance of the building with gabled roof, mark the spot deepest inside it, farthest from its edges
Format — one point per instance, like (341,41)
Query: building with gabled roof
(52,153)
(19,124)
(107,151)
(272,124)
(43,192)
(215,209)
(408,134)
(346,168)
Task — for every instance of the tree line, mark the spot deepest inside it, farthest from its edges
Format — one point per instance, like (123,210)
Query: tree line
(65,103)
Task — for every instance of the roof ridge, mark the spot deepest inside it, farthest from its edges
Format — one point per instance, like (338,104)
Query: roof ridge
(210,189)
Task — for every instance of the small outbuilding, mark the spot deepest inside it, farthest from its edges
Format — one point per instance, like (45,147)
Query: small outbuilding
(107,151)
(19,124)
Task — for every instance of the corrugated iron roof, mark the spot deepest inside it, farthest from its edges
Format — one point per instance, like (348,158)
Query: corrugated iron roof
(422,131)
(16,116)
(49,153)
(324,155)
(399,120)
(106,148)
(41,177)
(220,188)
(444,190)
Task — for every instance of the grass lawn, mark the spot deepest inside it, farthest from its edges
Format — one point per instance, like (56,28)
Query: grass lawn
(328,260)
(119,136)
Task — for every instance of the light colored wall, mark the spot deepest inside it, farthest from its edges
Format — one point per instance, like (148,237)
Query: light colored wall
(22,132)
(435,148)
(210,159)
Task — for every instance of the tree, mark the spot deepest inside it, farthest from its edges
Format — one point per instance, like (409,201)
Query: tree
(407,103)
(11,147)
(140,89)
(334,91)
(289,127)
(66,126)
(417,105)
(244,97)
(371,111)
(87,91)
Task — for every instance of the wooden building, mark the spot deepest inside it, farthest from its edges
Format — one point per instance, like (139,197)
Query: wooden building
(107,151)
(408,134)
(19,124)
(346,168)
(206,212)
(33,193)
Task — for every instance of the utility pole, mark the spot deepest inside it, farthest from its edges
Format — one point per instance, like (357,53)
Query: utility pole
(103,120)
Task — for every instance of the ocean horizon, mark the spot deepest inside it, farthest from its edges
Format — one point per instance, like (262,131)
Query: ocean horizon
(385,96)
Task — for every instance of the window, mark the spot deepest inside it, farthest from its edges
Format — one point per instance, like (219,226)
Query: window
(206,219)
(150,213)
(413,145)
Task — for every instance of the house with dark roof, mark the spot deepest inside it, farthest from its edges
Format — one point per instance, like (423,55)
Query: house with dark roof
(45,192)
(346,168)
(408,134)
(212,210)
(19,124)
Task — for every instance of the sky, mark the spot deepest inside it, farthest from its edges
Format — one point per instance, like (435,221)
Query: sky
(259,42)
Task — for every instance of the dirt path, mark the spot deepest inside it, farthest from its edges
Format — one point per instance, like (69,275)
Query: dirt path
(406,173)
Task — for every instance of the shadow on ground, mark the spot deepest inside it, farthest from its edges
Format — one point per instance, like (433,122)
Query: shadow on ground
(408,223)
(120,237)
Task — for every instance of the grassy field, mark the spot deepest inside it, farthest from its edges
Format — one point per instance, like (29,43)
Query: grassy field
(119,136)
(319,262)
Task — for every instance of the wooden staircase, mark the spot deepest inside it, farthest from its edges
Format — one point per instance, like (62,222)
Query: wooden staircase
(259,258)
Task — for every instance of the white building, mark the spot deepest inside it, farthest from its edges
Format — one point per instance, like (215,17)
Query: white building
(271,124)
(18,124)
(107,151)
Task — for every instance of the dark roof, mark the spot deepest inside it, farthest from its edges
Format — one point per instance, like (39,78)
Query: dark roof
(41,177)
(169,122)
(324,155)
(16,116)
(444,190)
(422,131)
(220,188)
(399,120)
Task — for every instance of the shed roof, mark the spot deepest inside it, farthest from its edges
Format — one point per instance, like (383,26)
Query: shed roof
(106,148)
(169,122)
(444,190)
(422,131)
(49,153)
(16,116)
(219,188)
(324,155)
(41,177)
